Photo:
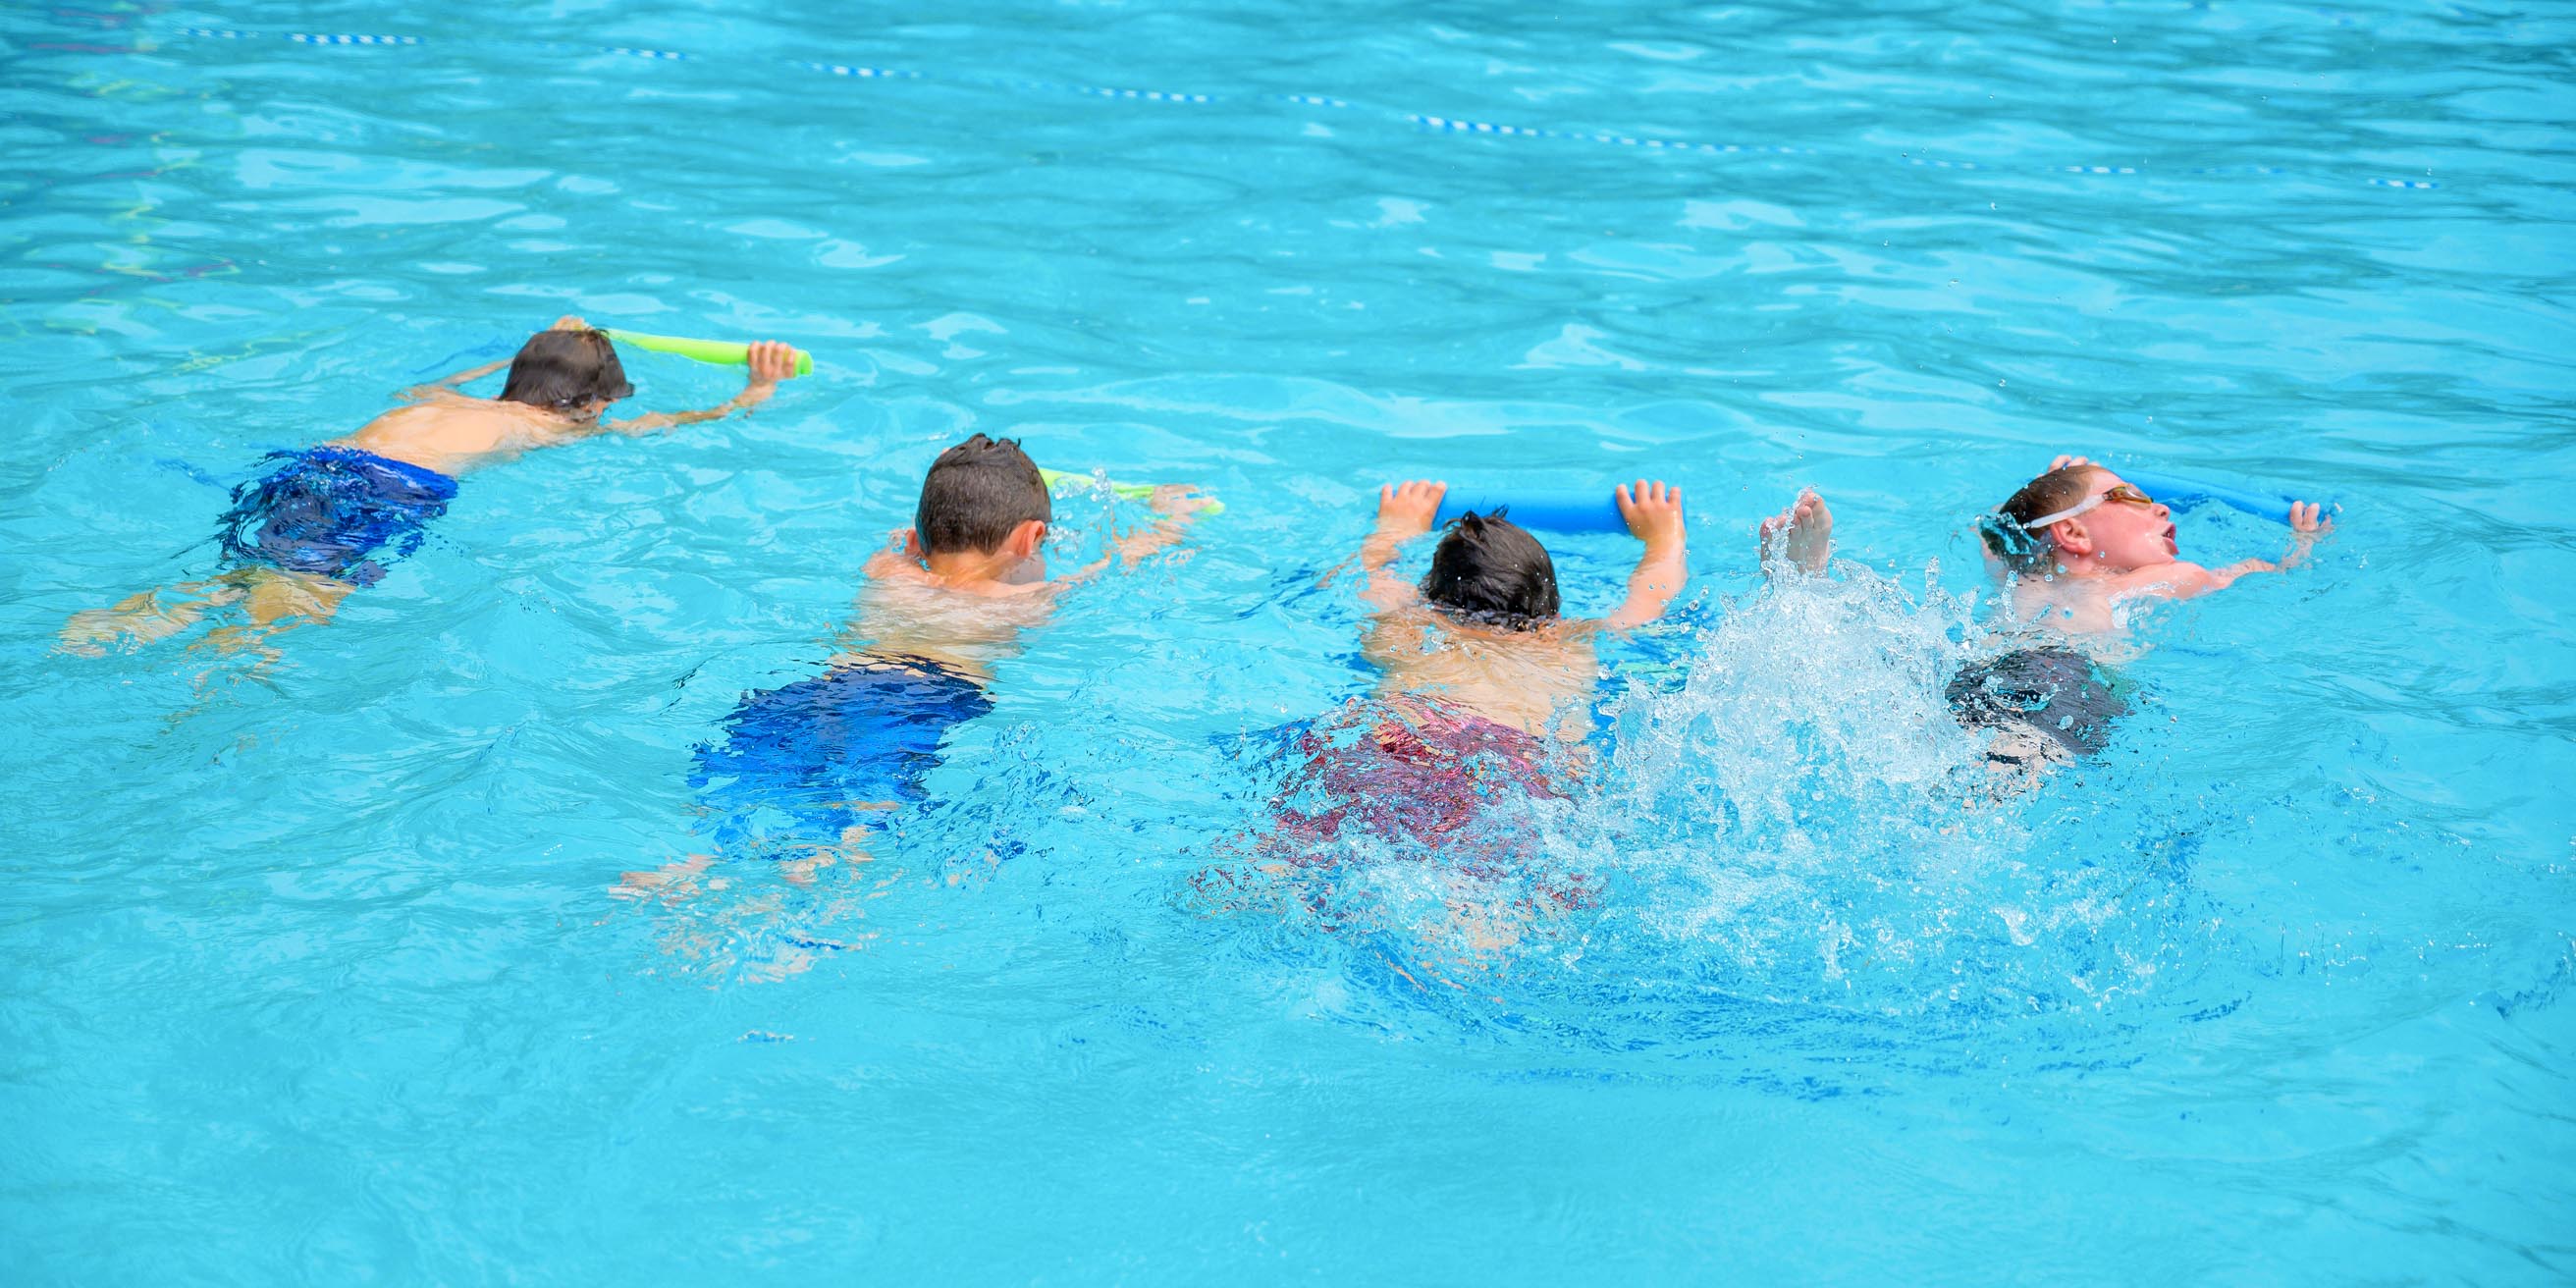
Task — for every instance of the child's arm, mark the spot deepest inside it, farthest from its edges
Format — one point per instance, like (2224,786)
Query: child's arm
(443,383)
(770,362)
(1654,515)
(567,322)
(2189,580)
(1404,512)
(1179,504)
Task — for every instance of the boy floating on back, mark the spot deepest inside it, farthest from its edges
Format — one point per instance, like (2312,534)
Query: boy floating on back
(2084,544)
(2081,546)
(325,520)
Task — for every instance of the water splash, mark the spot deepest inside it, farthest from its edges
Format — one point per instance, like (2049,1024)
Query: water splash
(1801,849)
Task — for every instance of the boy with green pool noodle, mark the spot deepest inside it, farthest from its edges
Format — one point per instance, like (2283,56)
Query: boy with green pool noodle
(944,601)
(325,520)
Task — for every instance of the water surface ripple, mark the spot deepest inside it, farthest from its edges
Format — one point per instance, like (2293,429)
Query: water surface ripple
(313,969)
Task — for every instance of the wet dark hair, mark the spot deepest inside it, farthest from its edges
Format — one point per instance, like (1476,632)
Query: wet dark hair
(2005,530)
(1489,571)
(975,493)
(566,371)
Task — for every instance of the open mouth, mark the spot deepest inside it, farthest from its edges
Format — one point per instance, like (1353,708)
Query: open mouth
(2170,542)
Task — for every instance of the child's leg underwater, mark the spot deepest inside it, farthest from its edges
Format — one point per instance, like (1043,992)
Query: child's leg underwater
(276,600)
(147,617)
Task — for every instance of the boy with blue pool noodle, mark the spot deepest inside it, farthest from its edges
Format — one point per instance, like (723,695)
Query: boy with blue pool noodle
(944,602)
(1483,690)
(324,521)
(2084,545)
(2081,547)
(1481,633)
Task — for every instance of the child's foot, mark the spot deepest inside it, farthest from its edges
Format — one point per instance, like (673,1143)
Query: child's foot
(1803,535)
(133,620)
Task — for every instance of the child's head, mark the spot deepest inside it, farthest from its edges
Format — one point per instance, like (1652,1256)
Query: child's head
(1490,572)
(980,496)
(572,372)
(2081,517)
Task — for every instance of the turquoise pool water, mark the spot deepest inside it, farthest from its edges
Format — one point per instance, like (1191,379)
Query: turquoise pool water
(313,970)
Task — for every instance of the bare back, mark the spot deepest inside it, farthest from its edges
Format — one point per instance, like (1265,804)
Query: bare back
(905,611)
(1538,681)
(453,433)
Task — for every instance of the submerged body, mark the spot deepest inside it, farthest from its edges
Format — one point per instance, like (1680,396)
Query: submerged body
(1537,682)
(834,752)
(2038,705)
(1417,773)
(327,511)
(838,753)
(1426,785)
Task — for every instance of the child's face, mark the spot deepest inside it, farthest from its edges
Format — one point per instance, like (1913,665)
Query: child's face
(2126,534)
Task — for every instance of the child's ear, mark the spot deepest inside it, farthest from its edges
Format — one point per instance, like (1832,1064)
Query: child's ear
(2072,538)
(1027,537)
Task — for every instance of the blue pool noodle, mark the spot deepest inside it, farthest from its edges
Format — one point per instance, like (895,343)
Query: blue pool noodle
(1552,509)
(2183,494)
(1565,510)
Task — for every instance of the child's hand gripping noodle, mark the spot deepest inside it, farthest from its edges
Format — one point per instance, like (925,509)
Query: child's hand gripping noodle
(1483,688)
(1482,628)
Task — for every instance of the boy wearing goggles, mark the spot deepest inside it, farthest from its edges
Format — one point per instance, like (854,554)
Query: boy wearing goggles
(2084,542)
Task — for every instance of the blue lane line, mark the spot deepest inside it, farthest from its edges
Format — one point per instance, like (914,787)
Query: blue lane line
(1420,120)
(844,69)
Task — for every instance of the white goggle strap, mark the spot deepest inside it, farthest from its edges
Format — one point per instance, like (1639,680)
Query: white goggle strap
(2083,507)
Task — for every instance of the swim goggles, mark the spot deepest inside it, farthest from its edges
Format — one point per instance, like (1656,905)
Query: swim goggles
(2120,492)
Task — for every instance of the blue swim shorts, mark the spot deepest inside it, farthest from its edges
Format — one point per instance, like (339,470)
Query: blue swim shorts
(837,750)
(334,511)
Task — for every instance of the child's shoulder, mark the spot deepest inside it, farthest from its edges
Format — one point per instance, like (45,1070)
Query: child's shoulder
(452,434)
(893,568)
(2176,580)
(886,565)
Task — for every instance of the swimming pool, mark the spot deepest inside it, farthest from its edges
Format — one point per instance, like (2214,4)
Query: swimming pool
(314,969)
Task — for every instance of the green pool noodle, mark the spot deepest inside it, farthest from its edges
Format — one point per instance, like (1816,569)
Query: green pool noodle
(725,353)
(1132,491)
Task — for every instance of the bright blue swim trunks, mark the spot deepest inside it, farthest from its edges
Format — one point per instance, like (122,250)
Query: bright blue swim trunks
(329,510)
(832,752)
